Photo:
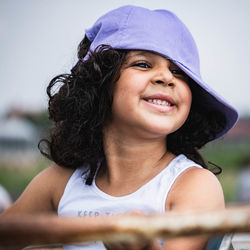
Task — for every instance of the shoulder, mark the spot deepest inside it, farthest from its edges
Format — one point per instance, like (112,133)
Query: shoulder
(196,188)
(53,176)
(43,193)
(59,177)
(59,172)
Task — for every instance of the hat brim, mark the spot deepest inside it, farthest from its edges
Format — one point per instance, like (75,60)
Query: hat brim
(212,101)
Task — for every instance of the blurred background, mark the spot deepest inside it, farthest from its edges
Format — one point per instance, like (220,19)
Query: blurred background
(39,40)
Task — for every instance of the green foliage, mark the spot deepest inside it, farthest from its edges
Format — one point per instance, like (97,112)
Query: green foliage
(229,155)
(16,179)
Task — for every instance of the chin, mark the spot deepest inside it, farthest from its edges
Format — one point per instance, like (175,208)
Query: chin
(160,131)
(161,127)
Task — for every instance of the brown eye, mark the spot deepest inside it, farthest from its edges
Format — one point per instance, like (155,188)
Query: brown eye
(177,72)
(142,65)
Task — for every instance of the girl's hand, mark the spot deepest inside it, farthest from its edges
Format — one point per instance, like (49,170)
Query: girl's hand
(145,245)
(140,245)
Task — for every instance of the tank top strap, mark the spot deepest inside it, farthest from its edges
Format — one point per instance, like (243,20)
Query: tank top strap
(170,174)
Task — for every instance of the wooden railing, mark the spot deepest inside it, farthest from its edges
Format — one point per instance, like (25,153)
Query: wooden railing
(23,230)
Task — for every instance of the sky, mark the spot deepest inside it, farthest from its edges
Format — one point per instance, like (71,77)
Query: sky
(39,40)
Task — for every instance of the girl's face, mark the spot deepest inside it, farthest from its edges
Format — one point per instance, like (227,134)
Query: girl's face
(151,96)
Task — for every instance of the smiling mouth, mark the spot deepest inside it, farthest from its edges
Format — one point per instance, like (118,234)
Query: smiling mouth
(159,102)
(160,99)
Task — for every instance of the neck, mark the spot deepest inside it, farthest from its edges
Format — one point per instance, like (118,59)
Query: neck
(130,156)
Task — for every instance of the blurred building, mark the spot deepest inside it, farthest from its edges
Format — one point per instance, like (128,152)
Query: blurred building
(18,140)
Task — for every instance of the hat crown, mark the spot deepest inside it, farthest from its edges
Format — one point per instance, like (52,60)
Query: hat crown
(161,31)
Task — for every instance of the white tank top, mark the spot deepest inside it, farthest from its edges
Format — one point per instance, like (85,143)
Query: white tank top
(83,200)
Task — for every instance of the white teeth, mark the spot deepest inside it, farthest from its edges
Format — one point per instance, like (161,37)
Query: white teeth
(159,102)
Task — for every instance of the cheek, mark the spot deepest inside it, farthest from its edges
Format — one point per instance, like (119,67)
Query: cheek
(188,100)
(128,89)
(122,101)
(186,97)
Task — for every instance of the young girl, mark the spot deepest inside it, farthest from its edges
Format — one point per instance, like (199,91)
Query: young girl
(129,120)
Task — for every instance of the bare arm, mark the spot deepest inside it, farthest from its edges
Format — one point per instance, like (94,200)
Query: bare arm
(195,189)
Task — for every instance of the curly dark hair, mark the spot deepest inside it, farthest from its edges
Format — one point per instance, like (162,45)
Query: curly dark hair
(82,106)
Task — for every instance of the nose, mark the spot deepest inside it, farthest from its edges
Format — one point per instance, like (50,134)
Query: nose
(163,76)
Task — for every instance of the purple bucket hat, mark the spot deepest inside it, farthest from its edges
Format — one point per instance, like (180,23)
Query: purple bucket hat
(162,32)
